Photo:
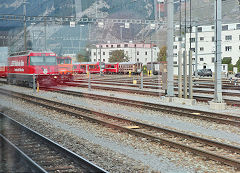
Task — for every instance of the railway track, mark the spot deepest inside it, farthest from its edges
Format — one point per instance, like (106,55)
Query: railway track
(158,86)
(150,93)
(210,149)
(196,114)
(40,152)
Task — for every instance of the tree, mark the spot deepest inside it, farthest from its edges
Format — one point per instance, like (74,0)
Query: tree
(82,58)
(118,56)
(238,65)
(162,56)
(228,60)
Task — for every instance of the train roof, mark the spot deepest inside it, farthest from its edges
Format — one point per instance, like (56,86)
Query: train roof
(77,63)
(22,53)
(130,63)
(65,57)
(161,62)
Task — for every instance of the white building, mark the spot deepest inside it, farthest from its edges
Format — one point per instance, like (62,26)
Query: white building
(206,45)
(137,52)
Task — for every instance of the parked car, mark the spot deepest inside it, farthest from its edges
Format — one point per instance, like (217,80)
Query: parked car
(237,75)
(205,72)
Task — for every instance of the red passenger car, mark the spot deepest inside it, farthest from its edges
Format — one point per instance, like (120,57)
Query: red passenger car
(23,65)
(3,71)
(111,68)
(84,67)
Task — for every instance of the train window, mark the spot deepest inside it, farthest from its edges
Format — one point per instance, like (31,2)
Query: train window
(43,60)
(67,61)
(28,60)
(82,67)
(91,66)
(50,60)
(60,61)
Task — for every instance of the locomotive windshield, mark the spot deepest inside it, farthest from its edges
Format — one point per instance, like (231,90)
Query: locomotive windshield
(67,61)
(43,60)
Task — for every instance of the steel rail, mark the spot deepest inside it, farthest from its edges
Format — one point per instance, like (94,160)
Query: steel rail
(149,93)
(35,137)
(192,113)
(30,164)
(145,130)
(157,86)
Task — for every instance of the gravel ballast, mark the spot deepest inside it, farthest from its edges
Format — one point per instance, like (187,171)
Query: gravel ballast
(163,159)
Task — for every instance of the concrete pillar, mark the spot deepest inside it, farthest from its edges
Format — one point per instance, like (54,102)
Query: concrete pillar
(170,82)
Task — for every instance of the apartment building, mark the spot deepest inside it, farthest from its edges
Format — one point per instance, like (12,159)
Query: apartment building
(137,52)
(206,44)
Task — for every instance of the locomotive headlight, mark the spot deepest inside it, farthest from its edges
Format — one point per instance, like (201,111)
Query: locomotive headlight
(55,77)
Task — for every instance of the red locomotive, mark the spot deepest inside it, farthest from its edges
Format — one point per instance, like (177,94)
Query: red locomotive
(65,68)
(84,67)
(22,66)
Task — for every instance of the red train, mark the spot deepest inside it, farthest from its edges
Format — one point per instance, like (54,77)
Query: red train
(84,67)
(108,68)
(3,71)
(65,68)
(22,66)
(112,68)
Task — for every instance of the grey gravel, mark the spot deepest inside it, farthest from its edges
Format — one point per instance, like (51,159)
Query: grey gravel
(149,116)
(155,163)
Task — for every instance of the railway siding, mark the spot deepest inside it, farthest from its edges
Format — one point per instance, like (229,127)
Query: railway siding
(204,150)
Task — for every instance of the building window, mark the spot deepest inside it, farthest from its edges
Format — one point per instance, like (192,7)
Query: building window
(193,49)
(137,59)
(239,47)
(228,48)
(201,59)
(145,59)
(137,52)
(228,37)
(94,53)
(103,53)
(213,39)
(201,38)
(175,62)
(238,26)
(179,38)
(95,60)
(199,29)
(174,46)
(145,53)
(118,45)
(192,40)
(175,54)
(201,48)
(106,45)
(224,67)
(239,37)
(225,27)
(103,60)
(213,27)
(193,59)
(213,59)
(111,45)
(110,53)
(125,45)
